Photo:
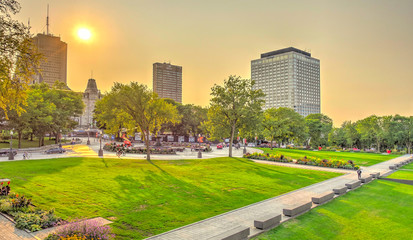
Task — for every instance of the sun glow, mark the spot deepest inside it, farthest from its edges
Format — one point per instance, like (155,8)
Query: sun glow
(84,33)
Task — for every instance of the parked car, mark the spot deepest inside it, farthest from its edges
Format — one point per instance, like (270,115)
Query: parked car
(55,150)
(219,146)
(5,152)
(251,144)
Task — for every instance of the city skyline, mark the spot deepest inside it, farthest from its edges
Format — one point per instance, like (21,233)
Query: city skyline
(365,47)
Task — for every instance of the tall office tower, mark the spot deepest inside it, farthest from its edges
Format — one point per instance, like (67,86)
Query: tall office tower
(167,81)
(54,65)
(290,78)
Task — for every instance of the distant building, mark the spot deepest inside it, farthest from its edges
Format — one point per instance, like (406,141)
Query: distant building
(167,81)
(290,78)
(54,65)
(90,96)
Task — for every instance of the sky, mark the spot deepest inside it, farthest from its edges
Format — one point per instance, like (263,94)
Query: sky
(365,47)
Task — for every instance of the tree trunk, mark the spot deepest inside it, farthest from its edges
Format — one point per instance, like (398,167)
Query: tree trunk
(378,146)
(231,140)
(20,139)
(31,136)
(40,141)
(148,150)
(271,144)
(409,145)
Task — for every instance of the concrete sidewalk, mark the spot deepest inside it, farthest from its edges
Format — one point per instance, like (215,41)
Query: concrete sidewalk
(245,216)
(9,232)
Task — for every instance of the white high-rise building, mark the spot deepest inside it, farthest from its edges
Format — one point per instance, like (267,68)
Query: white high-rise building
(290,78)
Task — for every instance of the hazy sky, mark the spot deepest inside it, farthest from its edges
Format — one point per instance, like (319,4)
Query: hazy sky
(365,47)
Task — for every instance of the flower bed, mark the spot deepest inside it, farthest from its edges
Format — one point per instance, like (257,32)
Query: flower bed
(314,161)
(24,213)
(82,229)
(268,157)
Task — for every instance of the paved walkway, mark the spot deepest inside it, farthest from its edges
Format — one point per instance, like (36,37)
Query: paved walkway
(245,216)
(9,232)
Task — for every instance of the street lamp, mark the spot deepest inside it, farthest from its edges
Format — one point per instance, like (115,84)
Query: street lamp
(11,156)
(60,138)
(100,150)
(88,141)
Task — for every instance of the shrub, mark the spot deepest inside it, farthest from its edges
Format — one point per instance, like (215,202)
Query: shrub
(36,220)
(82,229)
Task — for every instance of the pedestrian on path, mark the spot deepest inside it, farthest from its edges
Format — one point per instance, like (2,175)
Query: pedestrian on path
(359,171)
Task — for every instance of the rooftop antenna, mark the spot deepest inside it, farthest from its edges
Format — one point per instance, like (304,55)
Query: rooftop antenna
(47,20)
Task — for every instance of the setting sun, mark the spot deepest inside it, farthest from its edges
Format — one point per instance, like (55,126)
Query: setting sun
(84,33)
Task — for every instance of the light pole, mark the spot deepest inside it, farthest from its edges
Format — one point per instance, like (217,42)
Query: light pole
(11,156)
(60,138)
(88,141)
(100,150)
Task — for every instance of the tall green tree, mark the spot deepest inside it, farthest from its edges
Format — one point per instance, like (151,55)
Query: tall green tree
(137,108)
(68,104)
(18,59)
(283,125)
(233,106)
(319,126)
(402,127)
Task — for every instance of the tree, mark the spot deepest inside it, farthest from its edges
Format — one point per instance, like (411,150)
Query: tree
(18,59)
(136,107)
(283,125)
(402,127)
(68,104)
(373,130)
(319,126)
(234,106)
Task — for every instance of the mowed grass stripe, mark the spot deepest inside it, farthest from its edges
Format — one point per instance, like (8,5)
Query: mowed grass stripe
(362,159)
(378,210)
(146,198)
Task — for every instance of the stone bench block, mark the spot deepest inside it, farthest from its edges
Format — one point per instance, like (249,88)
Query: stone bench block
(290,212)
(393,167)
(267,221)
(353,185)
(366,179)
(398,165)
(340,191)
(238,233)
(322,198)
(375,175)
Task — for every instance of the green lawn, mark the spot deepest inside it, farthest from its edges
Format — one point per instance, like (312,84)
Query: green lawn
(362,159)
(405,173)
(379,210)
(146,198)
(27,143)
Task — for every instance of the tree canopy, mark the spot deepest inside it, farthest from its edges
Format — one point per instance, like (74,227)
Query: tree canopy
(18,59)
(135,107)
(233,106)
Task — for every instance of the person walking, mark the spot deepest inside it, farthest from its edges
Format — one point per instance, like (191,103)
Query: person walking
(359,171)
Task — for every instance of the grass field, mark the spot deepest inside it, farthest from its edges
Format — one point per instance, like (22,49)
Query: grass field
(405,173)
(27,143)
(362,159)
(146,198)
(379,210)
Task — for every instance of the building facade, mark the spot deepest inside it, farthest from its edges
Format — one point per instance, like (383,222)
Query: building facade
(54,65)
(289,78)
(90,96)
(167,81)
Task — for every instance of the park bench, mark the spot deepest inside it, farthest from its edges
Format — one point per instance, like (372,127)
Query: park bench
(268,221)
(291,212)
(238,233)
(340,191)
(375,175)
(366,179)
(353,185)
(322,198)
(393,167)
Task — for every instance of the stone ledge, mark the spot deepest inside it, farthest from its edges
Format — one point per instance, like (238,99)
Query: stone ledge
(267,221)
(340,191)
(291,212)
(322,198)
(238,233)
(353,185)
